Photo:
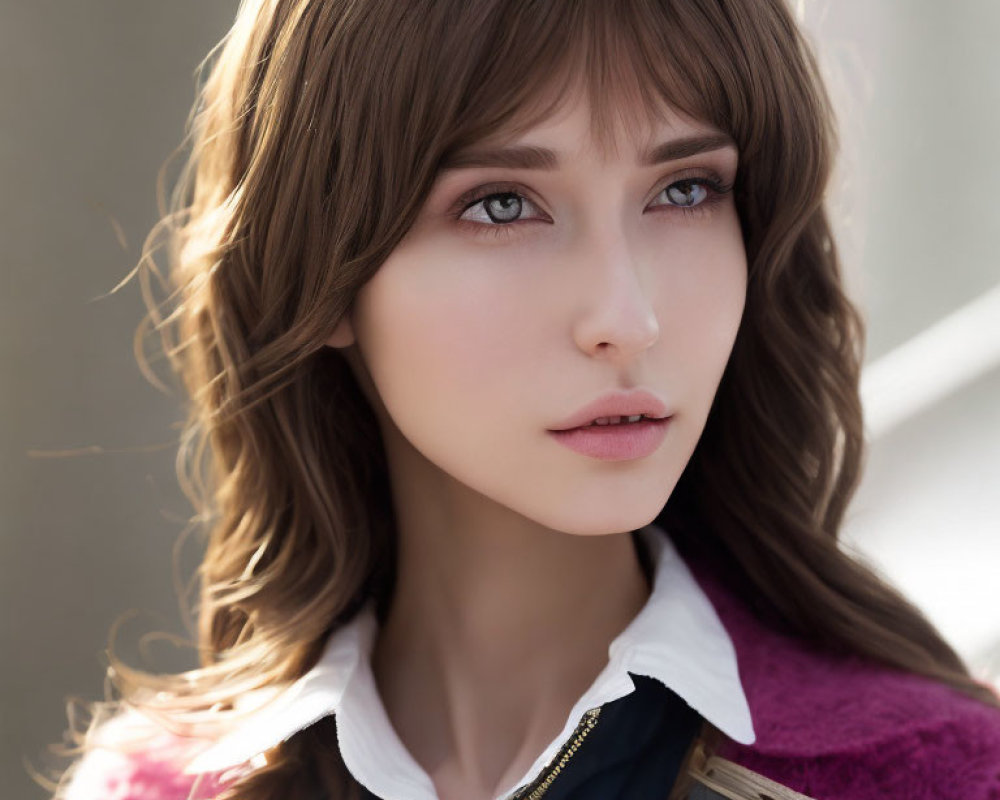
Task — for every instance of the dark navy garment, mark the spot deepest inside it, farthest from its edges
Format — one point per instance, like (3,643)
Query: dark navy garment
(634,752)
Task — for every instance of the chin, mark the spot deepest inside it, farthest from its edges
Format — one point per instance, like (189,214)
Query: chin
(615,518)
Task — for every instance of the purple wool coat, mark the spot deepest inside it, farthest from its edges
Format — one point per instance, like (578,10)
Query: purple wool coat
(846,729)
(832,728)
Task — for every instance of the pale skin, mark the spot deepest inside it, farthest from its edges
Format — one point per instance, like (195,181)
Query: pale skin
(516,566)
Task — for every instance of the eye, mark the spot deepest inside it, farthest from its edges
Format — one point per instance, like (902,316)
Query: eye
(686,194)
(690,193)
(496,208)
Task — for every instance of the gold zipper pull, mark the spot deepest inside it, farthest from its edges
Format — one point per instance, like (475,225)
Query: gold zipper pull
(538,787)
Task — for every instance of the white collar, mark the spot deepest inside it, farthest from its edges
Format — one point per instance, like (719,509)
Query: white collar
(676,638)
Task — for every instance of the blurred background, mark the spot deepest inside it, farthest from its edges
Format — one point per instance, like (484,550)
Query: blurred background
(93,98)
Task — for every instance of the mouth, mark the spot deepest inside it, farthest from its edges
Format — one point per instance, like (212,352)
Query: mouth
(617,408)
(621,441)
(611,422)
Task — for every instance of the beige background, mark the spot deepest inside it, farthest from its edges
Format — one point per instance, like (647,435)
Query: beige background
(93,97)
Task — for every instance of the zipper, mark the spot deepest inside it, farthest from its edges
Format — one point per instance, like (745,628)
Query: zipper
(538,787)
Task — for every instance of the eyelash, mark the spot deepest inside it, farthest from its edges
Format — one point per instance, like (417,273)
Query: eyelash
(716,193)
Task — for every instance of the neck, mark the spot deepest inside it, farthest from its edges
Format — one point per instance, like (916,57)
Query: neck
(494,631)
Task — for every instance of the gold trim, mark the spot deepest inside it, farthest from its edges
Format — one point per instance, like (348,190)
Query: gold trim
(739,783)
(538,788)
(725,778)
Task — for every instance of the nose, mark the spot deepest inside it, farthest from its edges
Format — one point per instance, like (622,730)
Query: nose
(617,320)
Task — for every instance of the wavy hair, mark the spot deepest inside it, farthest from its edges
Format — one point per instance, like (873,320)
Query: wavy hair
(318,129)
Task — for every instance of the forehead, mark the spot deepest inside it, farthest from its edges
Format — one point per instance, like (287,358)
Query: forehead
(640,70)
(572,127)
(626,128)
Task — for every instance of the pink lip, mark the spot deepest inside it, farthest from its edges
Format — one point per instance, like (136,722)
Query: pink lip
(616,442)
(616,404)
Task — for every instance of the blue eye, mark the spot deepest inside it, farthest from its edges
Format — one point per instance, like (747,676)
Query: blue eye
(691,194)
(504,207)
(686,193)
(498,208)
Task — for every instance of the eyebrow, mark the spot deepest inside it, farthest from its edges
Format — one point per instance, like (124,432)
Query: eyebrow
(530,157)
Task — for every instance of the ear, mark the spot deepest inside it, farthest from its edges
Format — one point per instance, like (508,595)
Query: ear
(343,334)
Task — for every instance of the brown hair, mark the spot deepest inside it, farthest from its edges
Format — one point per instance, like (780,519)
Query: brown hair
(319,128)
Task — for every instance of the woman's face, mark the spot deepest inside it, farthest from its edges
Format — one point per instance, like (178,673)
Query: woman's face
(525,291)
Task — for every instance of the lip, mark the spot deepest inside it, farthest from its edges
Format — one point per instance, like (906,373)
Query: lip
(615,442)
(616,404)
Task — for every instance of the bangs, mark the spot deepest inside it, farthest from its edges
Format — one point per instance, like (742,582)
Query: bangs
(633,60)
(445,75)
(376,96)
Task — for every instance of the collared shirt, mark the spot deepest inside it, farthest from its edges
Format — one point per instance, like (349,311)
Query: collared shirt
(676,638)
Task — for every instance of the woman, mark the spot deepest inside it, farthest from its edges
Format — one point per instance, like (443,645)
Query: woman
(524,415)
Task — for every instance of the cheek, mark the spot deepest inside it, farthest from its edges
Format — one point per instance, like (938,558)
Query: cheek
(442,338)
(701,296)
(712,305)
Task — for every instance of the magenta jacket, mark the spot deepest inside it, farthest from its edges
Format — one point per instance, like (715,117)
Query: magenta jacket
(831,728)
(844,729)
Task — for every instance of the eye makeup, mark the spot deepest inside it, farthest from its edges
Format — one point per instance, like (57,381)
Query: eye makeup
(707,188)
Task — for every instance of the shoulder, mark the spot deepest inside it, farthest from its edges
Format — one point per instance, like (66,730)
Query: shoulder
(843,727)
(837,728)
(131,758)
(943,762)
